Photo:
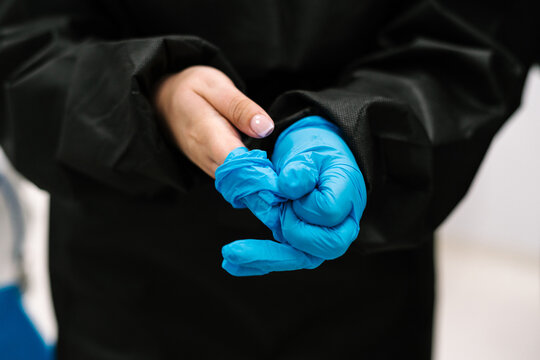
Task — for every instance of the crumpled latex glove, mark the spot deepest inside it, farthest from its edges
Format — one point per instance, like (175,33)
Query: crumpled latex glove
(317,171)
(247,179)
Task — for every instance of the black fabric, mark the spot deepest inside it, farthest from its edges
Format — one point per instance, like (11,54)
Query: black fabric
(160,293)
(419,89)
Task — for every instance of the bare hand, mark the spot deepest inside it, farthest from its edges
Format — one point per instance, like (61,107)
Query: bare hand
(203,108)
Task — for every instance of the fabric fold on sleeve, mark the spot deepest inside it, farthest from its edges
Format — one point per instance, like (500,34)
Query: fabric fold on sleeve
(419,116)
(78,107)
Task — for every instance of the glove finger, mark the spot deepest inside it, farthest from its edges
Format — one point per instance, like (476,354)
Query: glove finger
(245,173)
(298,177)
(331,202)
(241,270)
(263,256)
(321,241)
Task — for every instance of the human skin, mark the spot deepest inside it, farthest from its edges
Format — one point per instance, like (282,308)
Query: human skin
(204,110)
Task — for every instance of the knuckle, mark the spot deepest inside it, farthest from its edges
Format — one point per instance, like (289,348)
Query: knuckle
(181,92)
(328,209)
(211,78)
(195,84)
(294,236)
(336,246)
(201,77)
(199,70)
(331,212)
(335,205)
(191,74)
(239,108)
(335,251)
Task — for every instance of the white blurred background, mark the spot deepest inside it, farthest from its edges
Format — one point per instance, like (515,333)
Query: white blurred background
(488,252)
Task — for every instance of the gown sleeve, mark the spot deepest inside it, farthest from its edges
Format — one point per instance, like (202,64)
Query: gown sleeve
(76,99)
(419,115)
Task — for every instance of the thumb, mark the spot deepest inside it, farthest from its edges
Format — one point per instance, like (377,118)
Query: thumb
(298,177)
(241,111)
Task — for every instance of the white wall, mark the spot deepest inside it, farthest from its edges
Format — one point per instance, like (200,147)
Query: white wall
(489,250)
(502,208)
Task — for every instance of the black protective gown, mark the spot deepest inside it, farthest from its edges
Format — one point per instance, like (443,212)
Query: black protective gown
(418,87)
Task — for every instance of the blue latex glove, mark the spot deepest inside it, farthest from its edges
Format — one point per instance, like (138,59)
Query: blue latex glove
(318,171)
(19,339)
(247,179)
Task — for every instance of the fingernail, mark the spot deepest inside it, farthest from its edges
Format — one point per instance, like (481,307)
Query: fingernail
(262,125)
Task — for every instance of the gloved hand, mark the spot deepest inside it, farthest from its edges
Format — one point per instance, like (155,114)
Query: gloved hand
(247,180)
(315,169)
